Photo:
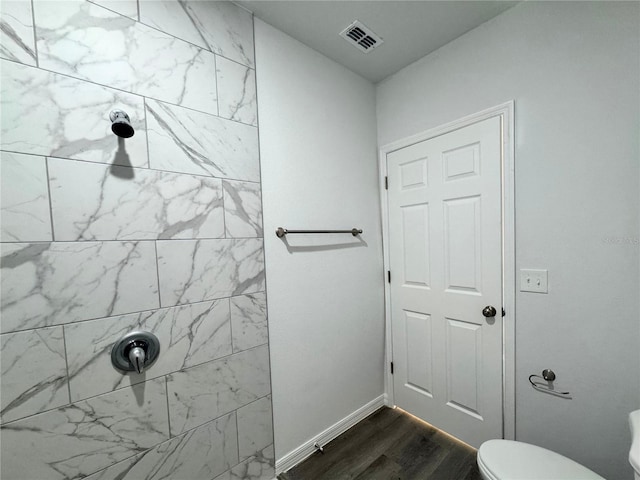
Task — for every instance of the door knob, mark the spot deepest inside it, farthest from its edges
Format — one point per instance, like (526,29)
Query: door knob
(489,311)
(135,352)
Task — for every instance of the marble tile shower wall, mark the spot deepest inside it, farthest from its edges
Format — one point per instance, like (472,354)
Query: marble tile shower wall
(101,236)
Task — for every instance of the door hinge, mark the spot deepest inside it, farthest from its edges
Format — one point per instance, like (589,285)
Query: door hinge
(389,275)
(391,368)
(503,312)
(386,183)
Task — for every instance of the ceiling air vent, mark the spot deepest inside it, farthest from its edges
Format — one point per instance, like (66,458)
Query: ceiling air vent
(361,36)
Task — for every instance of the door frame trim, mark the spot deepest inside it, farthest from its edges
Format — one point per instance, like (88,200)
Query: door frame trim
(506,112)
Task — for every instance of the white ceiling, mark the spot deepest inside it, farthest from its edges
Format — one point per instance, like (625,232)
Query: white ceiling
(410,29)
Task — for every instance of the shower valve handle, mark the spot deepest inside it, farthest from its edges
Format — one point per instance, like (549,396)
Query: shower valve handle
(137,357)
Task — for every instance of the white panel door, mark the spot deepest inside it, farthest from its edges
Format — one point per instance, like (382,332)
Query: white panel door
(445,252)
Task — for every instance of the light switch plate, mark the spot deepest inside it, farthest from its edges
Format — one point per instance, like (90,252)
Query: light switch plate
(534,281)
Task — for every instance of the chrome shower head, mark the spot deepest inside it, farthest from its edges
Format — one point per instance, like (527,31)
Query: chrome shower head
(121,124)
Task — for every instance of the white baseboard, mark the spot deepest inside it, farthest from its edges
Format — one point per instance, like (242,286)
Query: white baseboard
(297,455)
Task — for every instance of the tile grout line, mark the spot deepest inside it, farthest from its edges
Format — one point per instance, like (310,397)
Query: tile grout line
(215,63)
(233,347)
(256,400)
(136,312)
(128,459)
(130,240)
(46,169)
(166,389)
(94,162)
(66,362)
(128,92)
(155,246)
(237,434)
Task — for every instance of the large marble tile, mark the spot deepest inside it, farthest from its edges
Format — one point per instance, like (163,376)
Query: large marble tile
(24,199)
(34,372)
(182,140)
(202,393)
(255,427)
(242,209)
(16,31)
(53,283)
(249,321)
(259,467)
(175,17)
(188,335)
(120,203)
(128,8)
(196,270)
(47,114)
(237,92)
(82,438)
(87,41)
(222,27)
(199,454)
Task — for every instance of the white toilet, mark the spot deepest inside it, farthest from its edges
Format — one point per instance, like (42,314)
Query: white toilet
(509,460)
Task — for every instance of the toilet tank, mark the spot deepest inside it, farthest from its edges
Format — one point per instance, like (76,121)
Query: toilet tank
(634,453)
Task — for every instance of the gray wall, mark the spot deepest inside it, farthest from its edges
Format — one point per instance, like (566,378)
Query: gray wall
(162,232)
(572,69)
(326,323)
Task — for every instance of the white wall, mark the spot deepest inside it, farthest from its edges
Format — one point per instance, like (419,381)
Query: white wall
(572,69)
(325,293)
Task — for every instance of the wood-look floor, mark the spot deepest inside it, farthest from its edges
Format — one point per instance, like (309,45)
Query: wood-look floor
(389,445)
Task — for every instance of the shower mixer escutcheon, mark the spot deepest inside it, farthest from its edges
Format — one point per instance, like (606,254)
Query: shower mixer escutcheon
(135,352)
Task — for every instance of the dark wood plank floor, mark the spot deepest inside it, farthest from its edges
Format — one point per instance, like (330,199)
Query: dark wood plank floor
(389,445)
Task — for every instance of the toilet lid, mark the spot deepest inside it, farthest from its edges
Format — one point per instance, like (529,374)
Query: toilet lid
(509,460)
